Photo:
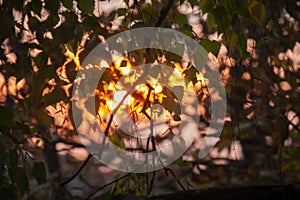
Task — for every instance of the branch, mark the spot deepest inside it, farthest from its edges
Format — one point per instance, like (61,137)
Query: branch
(104,186)
(173,174)
(71,143)
(163,13)
(78,171)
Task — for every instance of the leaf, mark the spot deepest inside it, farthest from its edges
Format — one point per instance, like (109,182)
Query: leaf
(41,60)
(43,117)
(86,6)
(19,177)
(57,95)
(121,11)
(210,20)
(64,33)
(190,74)
(39,172)
(154,71)
(178,90)
(169,102)
(242,43)
(52,5)
(51,21)
(68,4)
(206,5)
(117,140)
(193,2)
(176,117)
(33,23)
(230,39)
(147,15)
(258,11)
(92,23)
(211,46)
(36,6)
(176,57)
(242,8)
(181,20)
(8,192)
(168,70)
(13,157)
(6,119)
(222,18)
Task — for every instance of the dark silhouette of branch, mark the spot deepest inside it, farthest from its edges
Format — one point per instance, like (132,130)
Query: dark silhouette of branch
(108,184)
(173,174)
(78,171)
(71,143)
(163,14)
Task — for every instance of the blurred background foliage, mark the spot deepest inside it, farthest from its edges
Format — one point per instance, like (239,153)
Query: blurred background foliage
(254,43)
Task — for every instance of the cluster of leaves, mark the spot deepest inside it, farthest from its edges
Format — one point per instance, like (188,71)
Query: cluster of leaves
(35,36)
(259,105)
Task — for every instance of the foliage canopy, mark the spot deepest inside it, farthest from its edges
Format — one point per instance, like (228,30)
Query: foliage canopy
(256,46)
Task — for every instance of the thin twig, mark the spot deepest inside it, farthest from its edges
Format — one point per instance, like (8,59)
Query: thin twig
(163,14)
(173,174)
(108,184)
(78,171)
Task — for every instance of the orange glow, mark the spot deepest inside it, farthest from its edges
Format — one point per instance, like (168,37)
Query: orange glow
(113,95)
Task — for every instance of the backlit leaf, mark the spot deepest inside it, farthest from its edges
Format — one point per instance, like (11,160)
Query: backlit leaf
(258,11)
(206,5)
(67,3)
(86,6)
(211,46)
(39,172)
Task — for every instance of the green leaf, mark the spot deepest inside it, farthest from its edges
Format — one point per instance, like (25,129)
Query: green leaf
(68,4)
(176,117)
(51,21)
(211,20)
(39,172)
(222,18)
(19,177)
(121,11)
(86,6)
(181,20)
(33,23)
(230,39)
(92,23)
(147,15)
(36,6)
(13,157)
(242,43)
(6,119)
(206,5)
(242,8)
(211,46)
(258,11)
(58,94)
(52,5)
(179,49)
(193,2)
(41,60)
(43,117)
(8,193)
(190,74)
(117,140)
